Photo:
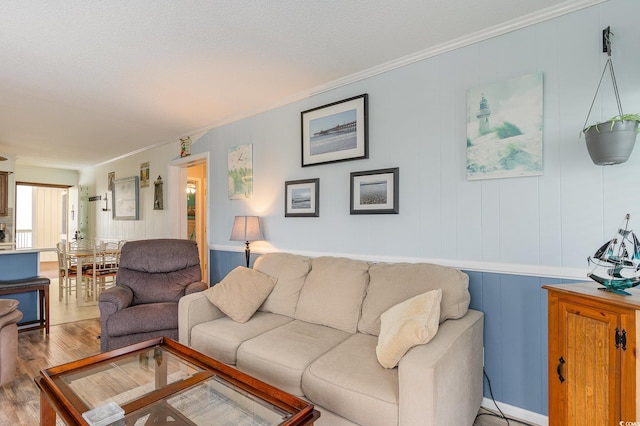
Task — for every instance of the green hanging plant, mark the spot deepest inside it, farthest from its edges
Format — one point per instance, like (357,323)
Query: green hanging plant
(613,121)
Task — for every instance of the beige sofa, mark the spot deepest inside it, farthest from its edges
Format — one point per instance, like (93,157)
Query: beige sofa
(315,336)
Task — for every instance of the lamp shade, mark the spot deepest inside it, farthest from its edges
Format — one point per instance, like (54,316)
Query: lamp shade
(246,228)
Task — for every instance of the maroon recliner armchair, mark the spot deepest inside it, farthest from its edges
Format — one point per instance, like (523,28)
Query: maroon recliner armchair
(152,277)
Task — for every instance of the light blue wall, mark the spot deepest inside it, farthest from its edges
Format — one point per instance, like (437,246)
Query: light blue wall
(513,230)
(417,122)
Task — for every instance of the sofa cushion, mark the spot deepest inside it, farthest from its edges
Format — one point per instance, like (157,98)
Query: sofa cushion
(280,356)
(143,318)
(407,324)
(392,283)
(333,292)
(349,381)
(291,270)
(241,293)
(221,337)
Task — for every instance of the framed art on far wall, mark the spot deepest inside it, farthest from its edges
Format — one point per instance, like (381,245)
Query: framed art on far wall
(302,198)
(335,132)
(375,191)
(125,199)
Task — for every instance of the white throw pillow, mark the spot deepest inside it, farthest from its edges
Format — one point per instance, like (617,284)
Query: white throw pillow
(241,292)
(407,324)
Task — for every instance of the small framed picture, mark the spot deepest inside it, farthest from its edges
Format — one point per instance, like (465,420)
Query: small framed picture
(335,132)
(144,175)
(111,177)
(375,191)
(302,198)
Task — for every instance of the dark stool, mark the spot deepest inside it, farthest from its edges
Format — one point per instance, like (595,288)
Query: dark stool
(26,285)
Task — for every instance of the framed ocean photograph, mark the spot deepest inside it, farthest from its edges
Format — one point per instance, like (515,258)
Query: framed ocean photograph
(302,198)
(335,132)
(504,128)
(240,171)
(375,191)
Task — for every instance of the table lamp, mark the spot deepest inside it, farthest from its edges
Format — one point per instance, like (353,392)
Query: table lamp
(246,228)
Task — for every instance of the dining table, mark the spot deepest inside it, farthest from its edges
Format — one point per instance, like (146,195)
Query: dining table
(89,254)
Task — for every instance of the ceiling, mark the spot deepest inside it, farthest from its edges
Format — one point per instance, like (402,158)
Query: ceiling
(83,82)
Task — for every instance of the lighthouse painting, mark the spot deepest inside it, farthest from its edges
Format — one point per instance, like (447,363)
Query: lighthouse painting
(504,129)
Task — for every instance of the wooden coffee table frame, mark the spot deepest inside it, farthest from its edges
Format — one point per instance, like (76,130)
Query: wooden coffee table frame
(57,397)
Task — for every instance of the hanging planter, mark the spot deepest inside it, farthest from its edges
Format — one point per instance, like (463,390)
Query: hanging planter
(611,142)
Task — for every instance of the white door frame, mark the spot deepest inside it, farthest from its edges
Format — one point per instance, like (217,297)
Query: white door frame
(176,185)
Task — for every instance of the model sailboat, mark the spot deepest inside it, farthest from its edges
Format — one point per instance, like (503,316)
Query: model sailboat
(616,263)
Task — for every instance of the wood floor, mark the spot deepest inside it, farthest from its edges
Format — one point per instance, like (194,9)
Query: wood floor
(20,400)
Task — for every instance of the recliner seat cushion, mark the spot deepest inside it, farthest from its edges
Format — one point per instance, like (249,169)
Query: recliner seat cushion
(220,339)
(280,356)
(143,318)
(348,380)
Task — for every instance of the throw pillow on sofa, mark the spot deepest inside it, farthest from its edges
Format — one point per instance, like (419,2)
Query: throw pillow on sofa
(407,324)
(241,292)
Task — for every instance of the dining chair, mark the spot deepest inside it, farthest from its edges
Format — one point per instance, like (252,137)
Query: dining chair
(101,271)
(67,273)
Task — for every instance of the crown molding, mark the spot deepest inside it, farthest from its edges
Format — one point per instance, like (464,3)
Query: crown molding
(497,30)
(491,32)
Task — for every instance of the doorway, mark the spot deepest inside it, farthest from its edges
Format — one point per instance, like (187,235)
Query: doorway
(45,215)
(188,204)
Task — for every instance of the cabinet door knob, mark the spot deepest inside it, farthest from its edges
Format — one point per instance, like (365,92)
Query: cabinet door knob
(559,370)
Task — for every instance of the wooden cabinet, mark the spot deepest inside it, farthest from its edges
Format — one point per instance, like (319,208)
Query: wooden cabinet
(593,369)
(4,193)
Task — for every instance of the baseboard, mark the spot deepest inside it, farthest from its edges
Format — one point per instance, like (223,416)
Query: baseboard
(516,412)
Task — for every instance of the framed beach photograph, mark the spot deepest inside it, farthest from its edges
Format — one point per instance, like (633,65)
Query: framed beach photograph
(375,191)
(335,132)
(302,198)
(125,199)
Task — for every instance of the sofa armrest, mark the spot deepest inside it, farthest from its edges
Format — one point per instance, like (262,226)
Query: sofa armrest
(441,381)
(194,309)
(195,287)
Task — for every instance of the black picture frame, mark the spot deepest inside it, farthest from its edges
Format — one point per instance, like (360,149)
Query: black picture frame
(302,198)
(335,132)
(375,191)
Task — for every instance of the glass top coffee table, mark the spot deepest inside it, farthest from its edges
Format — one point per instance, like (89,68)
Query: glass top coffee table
(158,382)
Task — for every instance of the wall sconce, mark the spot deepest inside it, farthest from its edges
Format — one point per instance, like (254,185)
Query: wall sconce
(246,228)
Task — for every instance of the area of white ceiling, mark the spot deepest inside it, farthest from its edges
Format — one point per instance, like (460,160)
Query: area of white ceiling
(86,81)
